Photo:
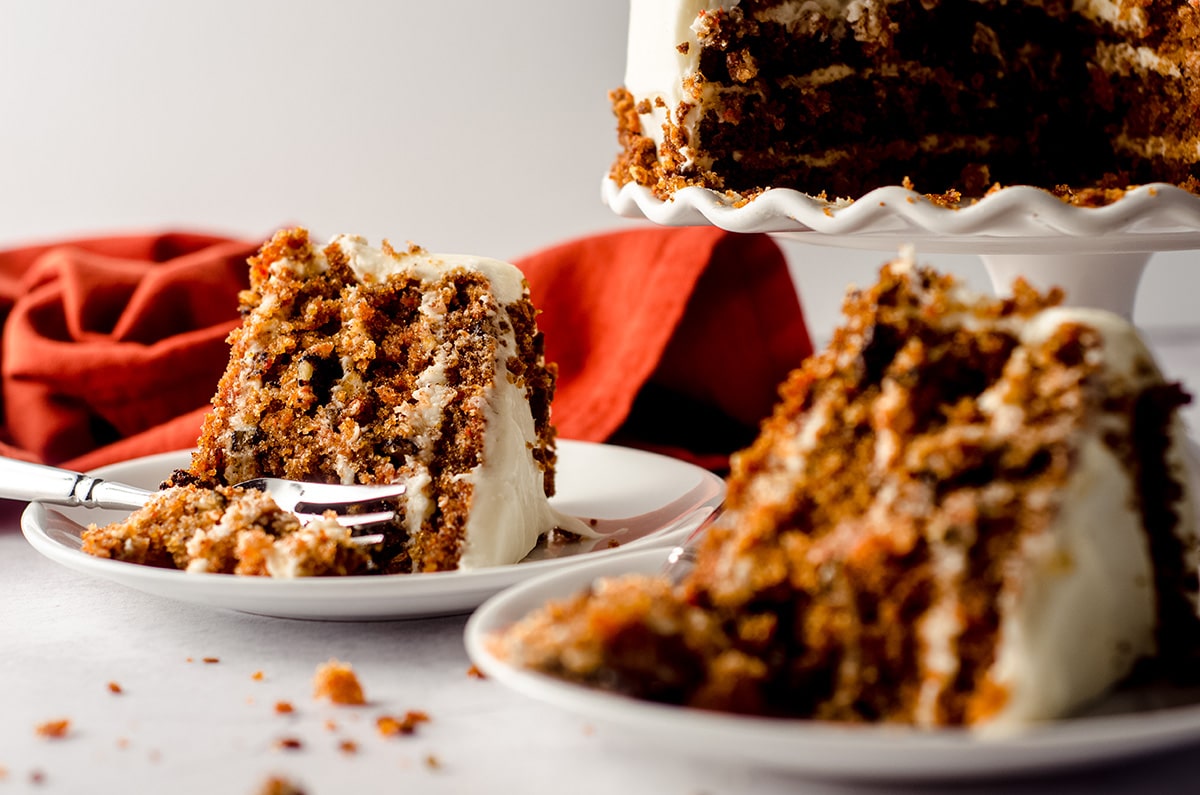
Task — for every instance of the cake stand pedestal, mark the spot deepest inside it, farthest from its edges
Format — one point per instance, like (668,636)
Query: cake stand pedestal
(1105,281)
(1102,272)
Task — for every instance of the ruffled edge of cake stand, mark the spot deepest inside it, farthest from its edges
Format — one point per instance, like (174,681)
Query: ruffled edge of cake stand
(1018,211)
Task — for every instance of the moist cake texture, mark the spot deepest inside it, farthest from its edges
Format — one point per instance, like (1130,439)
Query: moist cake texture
(838,97)
(965,511)
(356,364)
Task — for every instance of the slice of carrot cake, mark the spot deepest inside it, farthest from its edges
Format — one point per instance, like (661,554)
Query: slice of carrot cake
(965,511)
(357,364)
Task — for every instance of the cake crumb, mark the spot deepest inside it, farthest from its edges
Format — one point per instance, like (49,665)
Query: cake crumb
(475,673)
(277,785)
(37,777)
(113,687)
(211,660)
(289,743)
(54,729)
(257,676)
(348,747)
(432,762)
(284,707)
(337,682)
(389,726)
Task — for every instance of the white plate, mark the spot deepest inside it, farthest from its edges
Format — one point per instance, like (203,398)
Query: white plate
(1151,218)
(1124,725)
(638,499)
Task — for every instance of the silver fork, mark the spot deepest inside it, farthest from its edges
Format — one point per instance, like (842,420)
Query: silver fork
(21,480)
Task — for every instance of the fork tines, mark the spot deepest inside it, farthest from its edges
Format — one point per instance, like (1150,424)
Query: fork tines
(355,505)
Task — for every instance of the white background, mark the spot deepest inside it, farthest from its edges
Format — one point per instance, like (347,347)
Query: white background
(466,126)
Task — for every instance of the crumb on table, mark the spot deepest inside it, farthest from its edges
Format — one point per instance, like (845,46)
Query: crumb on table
(390,726)
(55,729)
(337,682)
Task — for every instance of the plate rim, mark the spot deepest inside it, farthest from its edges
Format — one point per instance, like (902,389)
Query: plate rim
(35,521)
(818,747)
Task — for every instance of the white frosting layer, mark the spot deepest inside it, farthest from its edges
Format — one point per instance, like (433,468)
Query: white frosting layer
(509,510)
(1120,14)
(375,265)
(1080,607)
(655,66)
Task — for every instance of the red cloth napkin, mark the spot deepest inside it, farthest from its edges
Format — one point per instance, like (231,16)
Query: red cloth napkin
(670,339)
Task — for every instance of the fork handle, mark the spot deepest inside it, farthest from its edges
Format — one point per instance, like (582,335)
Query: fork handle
(21,480)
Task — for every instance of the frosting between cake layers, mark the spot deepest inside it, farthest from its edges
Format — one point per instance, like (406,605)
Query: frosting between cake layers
(656,67)
(664,44)
(1121,14)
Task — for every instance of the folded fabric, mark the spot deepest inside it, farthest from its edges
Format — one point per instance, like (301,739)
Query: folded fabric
(106,338)
(667,339)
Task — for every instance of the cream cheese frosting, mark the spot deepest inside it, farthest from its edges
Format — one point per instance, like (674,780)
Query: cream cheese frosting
(663,51)
(1082,611)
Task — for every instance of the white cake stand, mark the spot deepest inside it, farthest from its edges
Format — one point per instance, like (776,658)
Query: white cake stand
(1096,254)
